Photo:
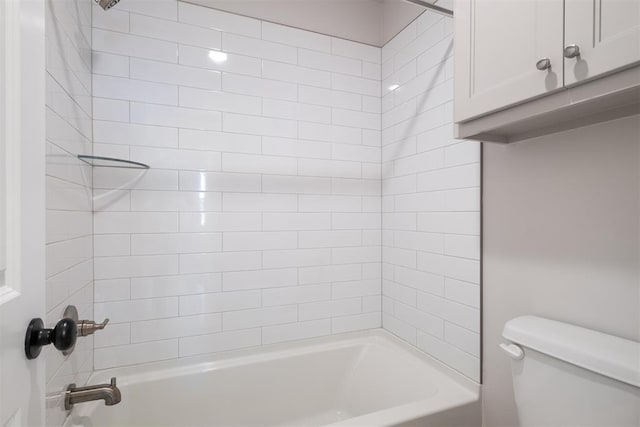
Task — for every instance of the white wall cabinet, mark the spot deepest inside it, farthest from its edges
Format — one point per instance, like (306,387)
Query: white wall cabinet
(517,64)
(497,47)
(607,33)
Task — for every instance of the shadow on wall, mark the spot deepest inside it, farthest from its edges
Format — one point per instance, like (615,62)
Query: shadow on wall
(421,103)
(123,179)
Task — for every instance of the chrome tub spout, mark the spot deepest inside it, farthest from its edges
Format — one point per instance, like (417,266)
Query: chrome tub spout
(110,393)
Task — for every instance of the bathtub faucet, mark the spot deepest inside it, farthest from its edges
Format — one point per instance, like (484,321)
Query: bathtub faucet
(110,393)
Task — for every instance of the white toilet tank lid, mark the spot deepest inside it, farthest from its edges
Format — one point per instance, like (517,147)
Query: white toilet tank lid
(608,355)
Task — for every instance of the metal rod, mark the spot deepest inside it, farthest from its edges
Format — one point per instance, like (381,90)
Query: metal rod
(432,6)
(117,163)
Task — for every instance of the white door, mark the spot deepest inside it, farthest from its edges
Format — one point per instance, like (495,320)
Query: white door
(498,44)
(22,208)
(607,33)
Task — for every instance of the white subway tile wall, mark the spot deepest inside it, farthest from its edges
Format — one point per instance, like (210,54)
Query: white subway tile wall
(431,201)
(260,218)
(287,199)
(69,225)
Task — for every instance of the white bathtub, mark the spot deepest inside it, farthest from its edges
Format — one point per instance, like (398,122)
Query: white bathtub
(363,379)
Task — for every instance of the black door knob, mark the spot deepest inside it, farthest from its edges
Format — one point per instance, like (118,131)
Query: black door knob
(63,336)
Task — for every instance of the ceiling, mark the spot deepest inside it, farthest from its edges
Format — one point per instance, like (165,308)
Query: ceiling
(372,22)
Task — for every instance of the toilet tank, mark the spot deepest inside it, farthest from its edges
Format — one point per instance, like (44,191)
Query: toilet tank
(565,375)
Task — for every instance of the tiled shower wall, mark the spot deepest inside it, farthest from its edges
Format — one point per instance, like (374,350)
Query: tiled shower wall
(69,251)
(259,220)
(430,199)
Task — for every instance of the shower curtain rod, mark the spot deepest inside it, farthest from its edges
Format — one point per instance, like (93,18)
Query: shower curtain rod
(432,6)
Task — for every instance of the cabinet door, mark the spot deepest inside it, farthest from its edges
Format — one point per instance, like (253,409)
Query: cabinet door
(497,46)
(607,33)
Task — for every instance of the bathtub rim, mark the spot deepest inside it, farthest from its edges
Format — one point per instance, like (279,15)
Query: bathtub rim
(229,358)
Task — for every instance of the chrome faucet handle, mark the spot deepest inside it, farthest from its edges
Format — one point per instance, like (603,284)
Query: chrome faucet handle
(89,327)
(102,326)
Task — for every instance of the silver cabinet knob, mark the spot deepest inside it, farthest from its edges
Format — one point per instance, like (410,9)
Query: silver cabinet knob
(543,64)
(572,51)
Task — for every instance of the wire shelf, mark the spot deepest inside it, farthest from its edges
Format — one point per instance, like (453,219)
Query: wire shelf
(111,162)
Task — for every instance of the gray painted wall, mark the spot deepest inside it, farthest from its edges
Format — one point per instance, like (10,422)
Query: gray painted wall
(561,240)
